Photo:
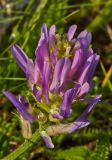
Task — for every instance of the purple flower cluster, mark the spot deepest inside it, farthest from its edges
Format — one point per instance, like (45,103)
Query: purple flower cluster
(60,76)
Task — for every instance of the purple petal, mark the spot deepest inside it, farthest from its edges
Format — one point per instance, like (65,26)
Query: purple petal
(37,93)
(57,73)
(19,106)
(65,109)
(85,34)
(84,89)
(52,30)
(85,38)
(90,52)
(20,57)
(76,125)
(24,101)
(94,101)
(53,56)
(65,71)
(71,32)
(47,139)
(42,55)
(77,45)
(93,67)
(45,31)
(30,70)
(52,37)
(42,38)
(36,73)
(67,128)
(78,57)
(84,62)
(46,78)
(85,70)
(57,116)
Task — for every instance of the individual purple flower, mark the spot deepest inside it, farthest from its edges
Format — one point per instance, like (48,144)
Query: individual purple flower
(21,104)
(60,76)
(47,139)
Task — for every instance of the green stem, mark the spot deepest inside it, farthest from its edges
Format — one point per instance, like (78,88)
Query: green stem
(24,147)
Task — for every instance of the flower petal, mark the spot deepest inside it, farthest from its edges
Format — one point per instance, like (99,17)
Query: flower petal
(42,55)
(52,30)
(84,89)
(65,71)
(85,38)
(85,34)
(78,57)
(20,57)
(30,70)
(47,139)
(37,93)
(56,115)
(57,73)
(71,32)
(45,31)
(46,78)
(86,70)
(93,67)
(65,109)
(24,101)
(19,106)
(36,73)
(94,101)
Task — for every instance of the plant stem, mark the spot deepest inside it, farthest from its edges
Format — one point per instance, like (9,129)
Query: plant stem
(24,147)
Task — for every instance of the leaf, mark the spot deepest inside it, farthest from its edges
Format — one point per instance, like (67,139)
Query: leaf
(101,151)
(74,153)
(9,19)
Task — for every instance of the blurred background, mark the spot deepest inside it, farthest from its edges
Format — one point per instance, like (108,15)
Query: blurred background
(20,22)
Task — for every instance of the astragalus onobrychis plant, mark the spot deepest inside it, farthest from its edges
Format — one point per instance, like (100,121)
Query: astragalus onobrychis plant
(60,76)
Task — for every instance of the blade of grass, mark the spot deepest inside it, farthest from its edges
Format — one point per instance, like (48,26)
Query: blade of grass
(13,78)
(9,19)
(16,12)
(107,77)
(84,5)
(69,16)
(104,72)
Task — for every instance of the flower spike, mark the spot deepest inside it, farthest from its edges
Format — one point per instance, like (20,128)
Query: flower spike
(60,76)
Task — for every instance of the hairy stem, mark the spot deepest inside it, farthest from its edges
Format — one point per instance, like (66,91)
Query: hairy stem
(24,147)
